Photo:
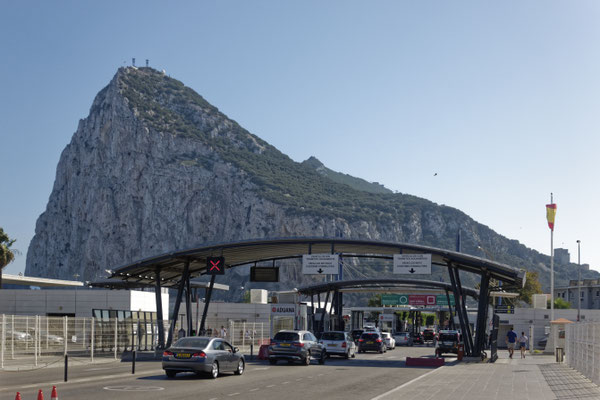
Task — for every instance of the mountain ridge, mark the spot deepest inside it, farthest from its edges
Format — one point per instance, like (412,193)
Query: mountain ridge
(156,168)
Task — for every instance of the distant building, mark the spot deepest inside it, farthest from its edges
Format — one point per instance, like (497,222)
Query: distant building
(590,293)
(562,256)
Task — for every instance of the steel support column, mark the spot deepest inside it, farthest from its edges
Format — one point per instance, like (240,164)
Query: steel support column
(188,307)
(460,311)
(323,313)
(159,312)
(482,312)
(451,321)
(206,304)
(184,277)
(463,306)
(312,311)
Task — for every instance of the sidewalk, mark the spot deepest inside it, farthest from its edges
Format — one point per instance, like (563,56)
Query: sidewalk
(536,377)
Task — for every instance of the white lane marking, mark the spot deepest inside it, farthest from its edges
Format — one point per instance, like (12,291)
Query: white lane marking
(381,396)
(129,388)
(309,377)
(270,386)
(214,398)
(98,369)
(260,369)
(232,394)
(298,380)
(254,390)
(285,383)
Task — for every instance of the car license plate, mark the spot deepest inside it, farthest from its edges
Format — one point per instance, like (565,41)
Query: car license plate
(183,355)
(285,344)
(332,345)
(369,342)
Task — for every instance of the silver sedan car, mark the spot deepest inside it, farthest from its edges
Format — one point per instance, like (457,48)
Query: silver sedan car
(202,355)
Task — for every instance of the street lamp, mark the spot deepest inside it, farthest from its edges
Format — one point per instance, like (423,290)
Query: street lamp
(578,280)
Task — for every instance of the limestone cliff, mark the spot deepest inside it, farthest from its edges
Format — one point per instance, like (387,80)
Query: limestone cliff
(155,168)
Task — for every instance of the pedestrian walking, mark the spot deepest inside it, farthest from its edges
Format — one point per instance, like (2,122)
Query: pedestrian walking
(523,344)
(511,338)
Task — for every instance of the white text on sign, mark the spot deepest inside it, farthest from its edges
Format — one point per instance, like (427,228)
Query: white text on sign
(320,264)
(412,264)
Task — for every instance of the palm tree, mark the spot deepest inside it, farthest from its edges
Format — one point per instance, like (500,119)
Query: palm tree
(7,255)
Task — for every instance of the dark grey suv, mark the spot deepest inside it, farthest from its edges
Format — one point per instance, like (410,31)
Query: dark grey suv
(296,346)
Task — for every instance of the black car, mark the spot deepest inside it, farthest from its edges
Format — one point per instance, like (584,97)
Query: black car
(428,335)
(448,342)
(371,341)
(417,337)
(356,334)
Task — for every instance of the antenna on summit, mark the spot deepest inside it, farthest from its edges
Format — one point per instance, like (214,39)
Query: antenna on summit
(147,63)
(133,62)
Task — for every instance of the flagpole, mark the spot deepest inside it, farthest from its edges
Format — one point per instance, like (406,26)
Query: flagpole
(551,270)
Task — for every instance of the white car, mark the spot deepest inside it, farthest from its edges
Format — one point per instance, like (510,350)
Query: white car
(390,342)
(338,343)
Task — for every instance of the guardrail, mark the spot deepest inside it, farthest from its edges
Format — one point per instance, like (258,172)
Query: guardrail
(582,348)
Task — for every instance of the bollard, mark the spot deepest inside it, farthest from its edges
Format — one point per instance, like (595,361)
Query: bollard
(252,351)
(133,362)
(66,365)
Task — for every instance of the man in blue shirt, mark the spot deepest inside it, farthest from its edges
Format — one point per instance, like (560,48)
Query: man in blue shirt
(511,339)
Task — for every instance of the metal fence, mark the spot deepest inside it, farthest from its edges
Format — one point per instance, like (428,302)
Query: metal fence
(582,348)
(27,342)
(248,335)
(32,341)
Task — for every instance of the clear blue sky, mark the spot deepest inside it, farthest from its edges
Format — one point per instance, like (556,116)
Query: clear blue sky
(500,99)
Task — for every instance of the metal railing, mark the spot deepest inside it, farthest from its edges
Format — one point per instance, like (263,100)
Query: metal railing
(582,348)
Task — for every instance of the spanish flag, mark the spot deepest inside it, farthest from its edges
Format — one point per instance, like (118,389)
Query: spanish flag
(551,215)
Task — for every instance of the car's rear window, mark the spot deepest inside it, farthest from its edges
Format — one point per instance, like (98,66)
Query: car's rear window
(333,336)
(286,337)
(403,334)
(370,336)
(191,342)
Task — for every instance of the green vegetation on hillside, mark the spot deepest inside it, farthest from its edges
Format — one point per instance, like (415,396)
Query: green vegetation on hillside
(166,105)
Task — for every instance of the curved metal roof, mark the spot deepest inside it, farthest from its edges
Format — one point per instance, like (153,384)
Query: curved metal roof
(171,265)
(382,284)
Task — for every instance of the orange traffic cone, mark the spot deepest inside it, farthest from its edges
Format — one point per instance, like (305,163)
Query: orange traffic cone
(18,396)
(40,395)
(54,395)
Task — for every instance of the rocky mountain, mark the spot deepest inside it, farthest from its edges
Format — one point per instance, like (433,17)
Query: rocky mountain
(155,168)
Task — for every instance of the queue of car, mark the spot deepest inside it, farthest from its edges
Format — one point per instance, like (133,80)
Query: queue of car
(213,356)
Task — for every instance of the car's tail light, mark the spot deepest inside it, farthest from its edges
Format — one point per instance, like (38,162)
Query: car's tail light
(378,340)
(298,344)
(167,353)
(361,340)
(201,354)
(344,345)
(273,342)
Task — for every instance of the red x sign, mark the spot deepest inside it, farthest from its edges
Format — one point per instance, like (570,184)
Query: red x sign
(215,265)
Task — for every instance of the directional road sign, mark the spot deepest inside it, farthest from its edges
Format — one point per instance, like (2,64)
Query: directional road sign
(412,264)
(320,264)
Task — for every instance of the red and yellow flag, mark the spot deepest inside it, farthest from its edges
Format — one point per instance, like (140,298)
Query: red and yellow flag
(551,215)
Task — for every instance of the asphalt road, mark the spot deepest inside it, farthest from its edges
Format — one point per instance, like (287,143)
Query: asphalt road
(365,377)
